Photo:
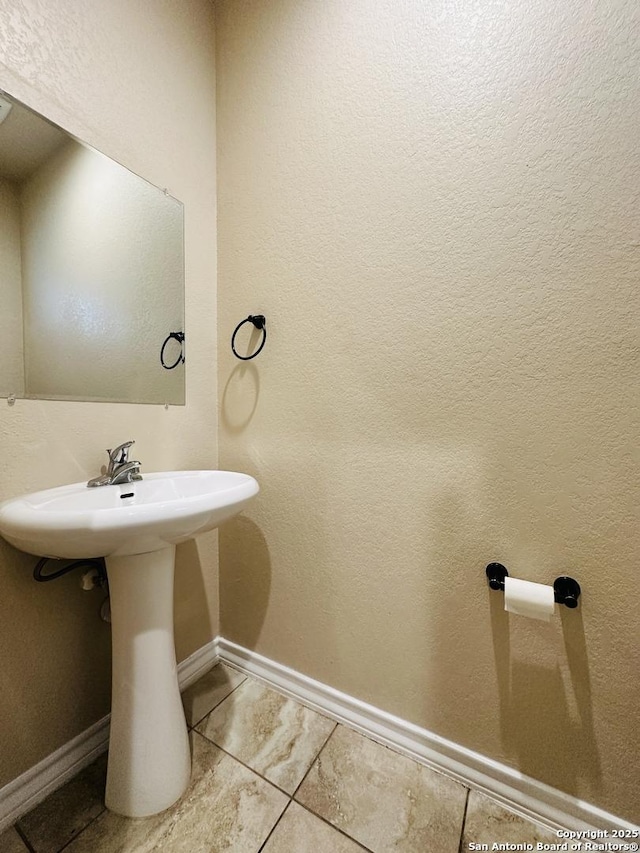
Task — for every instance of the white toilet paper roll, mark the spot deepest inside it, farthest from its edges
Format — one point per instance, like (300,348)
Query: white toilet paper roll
(528,599)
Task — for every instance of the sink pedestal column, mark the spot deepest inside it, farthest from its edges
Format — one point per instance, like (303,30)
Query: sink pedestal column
(149,759)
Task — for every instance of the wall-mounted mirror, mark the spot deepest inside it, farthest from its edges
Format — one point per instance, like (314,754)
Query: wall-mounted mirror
(91,272)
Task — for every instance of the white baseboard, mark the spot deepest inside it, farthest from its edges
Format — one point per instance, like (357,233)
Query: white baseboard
(530,798)
(522,794)
(193,667)
(32,787)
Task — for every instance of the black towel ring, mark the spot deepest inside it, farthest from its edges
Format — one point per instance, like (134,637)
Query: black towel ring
(260,322)
(178,336)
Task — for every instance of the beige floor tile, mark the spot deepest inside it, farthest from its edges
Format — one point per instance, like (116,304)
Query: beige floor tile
(226,809)
(385,801)
(301,832)
(67,811)
(209,691)
(10,842)
(273,735)
(487,822)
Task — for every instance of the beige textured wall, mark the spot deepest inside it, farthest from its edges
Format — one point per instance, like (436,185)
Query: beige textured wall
(436,207)
(11,284)
(136,81)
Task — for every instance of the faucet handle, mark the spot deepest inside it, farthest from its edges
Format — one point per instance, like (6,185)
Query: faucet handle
(120,454)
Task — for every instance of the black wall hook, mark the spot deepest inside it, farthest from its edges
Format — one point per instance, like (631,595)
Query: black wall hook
(565,590)
(260,322)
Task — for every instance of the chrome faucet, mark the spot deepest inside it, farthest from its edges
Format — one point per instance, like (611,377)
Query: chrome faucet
(119,469)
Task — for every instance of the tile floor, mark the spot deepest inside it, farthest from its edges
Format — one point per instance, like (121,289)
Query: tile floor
(272,776)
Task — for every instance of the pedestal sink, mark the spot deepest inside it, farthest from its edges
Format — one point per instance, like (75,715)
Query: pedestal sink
(136,527)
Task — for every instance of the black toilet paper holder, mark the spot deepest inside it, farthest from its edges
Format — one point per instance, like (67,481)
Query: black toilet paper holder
(565,590)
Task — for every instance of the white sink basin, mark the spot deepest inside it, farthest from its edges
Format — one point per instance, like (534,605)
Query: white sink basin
(136,527)
(133,518)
